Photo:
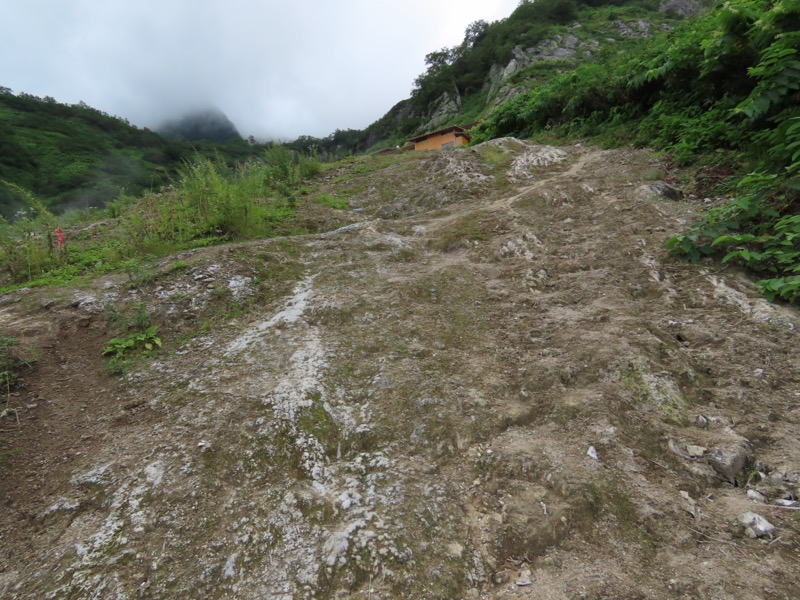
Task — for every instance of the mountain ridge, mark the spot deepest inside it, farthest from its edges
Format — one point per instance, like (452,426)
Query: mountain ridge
(209,124)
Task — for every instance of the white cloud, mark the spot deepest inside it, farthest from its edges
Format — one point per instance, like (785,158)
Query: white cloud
(276,69)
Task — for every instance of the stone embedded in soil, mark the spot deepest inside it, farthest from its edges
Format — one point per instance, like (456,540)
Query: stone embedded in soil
(524,579)
(756,496)
(756,526)
(695,451)
(665,190)
(729,462)
(787,503)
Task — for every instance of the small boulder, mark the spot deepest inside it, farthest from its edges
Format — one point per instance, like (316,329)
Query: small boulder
(756,526)
(787,503)
(524,579)
(695,451)
(666,190)
(730,462)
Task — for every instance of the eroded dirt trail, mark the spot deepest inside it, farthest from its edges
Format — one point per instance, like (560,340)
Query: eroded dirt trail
(493,384)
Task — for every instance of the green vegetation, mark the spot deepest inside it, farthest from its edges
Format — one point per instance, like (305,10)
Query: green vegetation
(147,340)
(721,89)
(208,202)
(74,157)
(331,201)
(139,341)
(758,230)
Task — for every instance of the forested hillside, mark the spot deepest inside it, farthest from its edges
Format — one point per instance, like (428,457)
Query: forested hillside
(498,60)
(77,156)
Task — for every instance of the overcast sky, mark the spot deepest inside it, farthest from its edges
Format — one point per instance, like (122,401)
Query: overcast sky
(278,69)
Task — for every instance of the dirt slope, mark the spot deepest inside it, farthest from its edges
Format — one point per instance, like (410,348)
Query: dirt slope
(493,383)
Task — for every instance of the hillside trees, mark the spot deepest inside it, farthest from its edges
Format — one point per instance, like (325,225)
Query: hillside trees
(78,156)
(462,70)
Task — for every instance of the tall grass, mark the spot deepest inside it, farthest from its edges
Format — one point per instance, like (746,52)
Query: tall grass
(208,202)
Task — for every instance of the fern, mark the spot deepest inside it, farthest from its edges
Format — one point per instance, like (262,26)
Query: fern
(778,73)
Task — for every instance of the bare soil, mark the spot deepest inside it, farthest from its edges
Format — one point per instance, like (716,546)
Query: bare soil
(492,383)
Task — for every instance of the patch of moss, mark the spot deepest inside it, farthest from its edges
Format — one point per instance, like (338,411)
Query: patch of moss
(469,228)
(316,421)
(657,390)
(604,497)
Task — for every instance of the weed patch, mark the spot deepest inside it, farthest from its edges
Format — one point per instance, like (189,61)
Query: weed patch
(470,228)
(331,201)
(209,203)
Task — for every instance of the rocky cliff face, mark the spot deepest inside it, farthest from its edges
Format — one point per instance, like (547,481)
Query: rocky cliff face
(447,107)
(684,8)
(504,82)
(561,47)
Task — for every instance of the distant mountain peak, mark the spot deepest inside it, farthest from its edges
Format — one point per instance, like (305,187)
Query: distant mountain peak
(210,124)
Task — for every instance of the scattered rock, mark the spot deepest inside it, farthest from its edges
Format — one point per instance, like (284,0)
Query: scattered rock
(534,156)
(756,496)
(592,453)
(86,302)
(666,190)
(695,451)
(691,507)
(730,462)
(524,579)
(676,449)
(683,8)
(455,550)
(640,28)
(502,577)
(777,476)
(756,526)
(787,503)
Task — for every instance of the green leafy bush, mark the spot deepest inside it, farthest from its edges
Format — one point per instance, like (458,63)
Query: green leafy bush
(758,230)
(139,340)
(120,349)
